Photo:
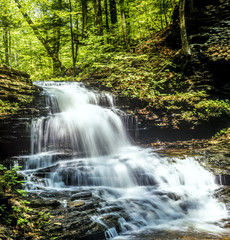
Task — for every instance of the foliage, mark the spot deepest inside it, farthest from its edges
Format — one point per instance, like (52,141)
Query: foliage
(86,38)
(8,179)
(9,214)
(8,107)
(41,33)
(223,134)
(154,79)
(63,79)
(15,211)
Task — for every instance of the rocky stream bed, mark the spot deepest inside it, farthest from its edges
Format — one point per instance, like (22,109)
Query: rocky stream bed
(82,214)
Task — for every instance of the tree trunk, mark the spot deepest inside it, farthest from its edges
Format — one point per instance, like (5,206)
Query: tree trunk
(72,34)
(51,52)
(113,11)
(10,52)
(16,59)
(191,6)
(123,18)
(98,17)
(6,46)
(55,44)
(106,15)
(56,62)
(76,42)
(183,34)
(84,16)
(0,54)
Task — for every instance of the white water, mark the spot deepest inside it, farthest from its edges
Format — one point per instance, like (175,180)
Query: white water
(83,143)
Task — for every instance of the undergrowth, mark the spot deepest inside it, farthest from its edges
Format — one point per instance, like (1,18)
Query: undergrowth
(155,79)
(16,215)
(7,107)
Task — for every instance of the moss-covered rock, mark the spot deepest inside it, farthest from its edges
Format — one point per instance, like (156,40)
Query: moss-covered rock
(16,90)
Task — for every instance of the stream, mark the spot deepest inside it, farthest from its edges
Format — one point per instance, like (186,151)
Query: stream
(85,146)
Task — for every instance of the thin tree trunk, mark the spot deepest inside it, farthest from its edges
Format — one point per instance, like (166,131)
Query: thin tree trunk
(84,16)
(10,52)
(57,35)
(107,21)
(106,15)
(72,34)
(98,17)
(56,62)
(113,11)
(76,41)
(191,6)
(124,28)
(0,54)
(183,34)
(16,59)
(6,46)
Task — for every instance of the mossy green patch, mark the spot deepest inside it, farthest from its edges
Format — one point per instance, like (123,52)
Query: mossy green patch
(16,91)
(156,80)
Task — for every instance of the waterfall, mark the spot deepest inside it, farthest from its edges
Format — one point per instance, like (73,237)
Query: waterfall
(84,143)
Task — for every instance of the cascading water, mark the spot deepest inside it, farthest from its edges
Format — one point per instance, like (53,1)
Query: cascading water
(83,144)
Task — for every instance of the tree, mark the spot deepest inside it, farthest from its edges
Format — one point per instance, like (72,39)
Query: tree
(52,45)
(7,22)
(183,33)
(124,25)
(74,36)
(106,15)
(6,41)
(84,16)
(113,11)
(98,17)
(41,35)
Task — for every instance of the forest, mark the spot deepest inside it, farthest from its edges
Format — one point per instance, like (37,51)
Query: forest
(44,38)
(171,55)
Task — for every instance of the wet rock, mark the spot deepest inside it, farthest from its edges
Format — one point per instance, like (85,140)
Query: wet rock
(109,209)
(111,220)
(15,130)
(76,219)
(223,179)
(75,226)
(76,203)
(89,207)
(82,195)
(44,203)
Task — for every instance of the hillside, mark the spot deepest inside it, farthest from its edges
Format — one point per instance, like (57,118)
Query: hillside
(173,91)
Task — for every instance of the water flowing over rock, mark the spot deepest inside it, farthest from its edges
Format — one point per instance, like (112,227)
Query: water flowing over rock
(99,185)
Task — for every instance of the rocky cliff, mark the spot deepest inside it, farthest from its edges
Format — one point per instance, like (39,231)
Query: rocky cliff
(199,98)
(16,94)
(16,91)
(208,30)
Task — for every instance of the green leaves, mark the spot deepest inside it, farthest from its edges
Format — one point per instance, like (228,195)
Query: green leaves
(9,178)
(15,211)
(50,39)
